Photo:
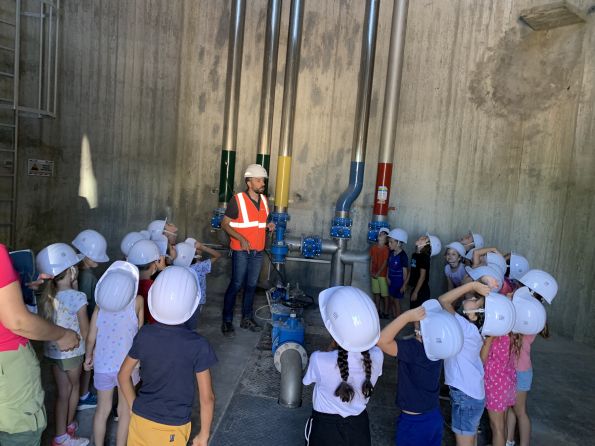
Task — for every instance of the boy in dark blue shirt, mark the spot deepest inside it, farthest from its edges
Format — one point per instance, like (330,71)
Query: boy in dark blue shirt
(173,359)
(418,381)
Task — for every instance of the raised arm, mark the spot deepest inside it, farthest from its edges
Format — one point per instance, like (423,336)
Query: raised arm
(448,299)
(387,342)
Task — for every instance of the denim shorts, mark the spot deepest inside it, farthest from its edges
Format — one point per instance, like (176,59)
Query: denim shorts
(466,412)
(524,380)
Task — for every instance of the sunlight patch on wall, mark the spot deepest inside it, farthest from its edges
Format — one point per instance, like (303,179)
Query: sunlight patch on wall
(88,182)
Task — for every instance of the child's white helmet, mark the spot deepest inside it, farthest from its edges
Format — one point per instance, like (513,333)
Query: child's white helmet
(458,247)
(351,317)
(161,241)
(129,239)
(190,240)
(184,254)
(530,313)
(92,244)
(174,296)
(146,234)
(441,332)
(435,245)
(480,271)
(143,252)
(519,265)
(398,234)
(469,255)
(56,258)
(499,315)
(477,240)
(542,283)
(156,226)
(497,261)
(117,287)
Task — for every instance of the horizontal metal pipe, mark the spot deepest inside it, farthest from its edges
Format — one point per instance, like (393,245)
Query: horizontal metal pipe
(304,260)
(350,257)
(295,245)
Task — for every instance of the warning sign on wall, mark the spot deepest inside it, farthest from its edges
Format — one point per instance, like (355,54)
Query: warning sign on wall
(40,168)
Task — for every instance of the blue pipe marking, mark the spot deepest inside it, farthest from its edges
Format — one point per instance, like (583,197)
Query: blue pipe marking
(356,182)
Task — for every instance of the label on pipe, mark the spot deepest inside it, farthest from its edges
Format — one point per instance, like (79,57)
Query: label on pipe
(383,180)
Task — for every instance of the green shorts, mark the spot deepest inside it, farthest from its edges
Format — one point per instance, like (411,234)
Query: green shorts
(67,363)
(380,286)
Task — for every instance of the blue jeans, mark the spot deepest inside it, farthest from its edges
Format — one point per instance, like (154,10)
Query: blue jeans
(245,269)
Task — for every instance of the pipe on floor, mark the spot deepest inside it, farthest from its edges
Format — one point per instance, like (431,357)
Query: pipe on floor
(291,379)
(232,101)
(269,79)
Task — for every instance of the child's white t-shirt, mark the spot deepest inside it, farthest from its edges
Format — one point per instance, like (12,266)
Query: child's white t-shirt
(67,304)
(324,372)
(465,370)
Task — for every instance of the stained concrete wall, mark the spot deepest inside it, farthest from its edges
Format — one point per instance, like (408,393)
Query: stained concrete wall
(495,132)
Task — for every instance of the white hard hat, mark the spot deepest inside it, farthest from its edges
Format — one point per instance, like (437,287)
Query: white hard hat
(519,265)
(480,271)
(255,171)
(161,241)
(383,230)
(477,240)
(497,261)
(156,226)
(469,255)
(143,252)
(117,287)
(351,317)
(530,313)
(458,247)
(542,283)
(56,258)
(398,234)
(441,333)
(499,315)
(129,239)
(435,245)
(92,244)
(146,234)
(174,295)
(184,254)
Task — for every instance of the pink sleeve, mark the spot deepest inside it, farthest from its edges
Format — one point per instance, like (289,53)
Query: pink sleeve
(7,272)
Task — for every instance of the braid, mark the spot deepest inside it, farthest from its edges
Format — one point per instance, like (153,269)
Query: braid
(344,390)
(367,386)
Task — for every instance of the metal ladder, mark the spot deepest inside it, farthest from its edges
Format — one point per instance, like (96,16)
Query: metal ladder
(9,122)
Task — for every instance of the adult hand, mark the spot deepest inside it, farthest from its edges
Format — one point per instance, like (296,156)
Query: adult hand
(69,341)
(245,244)
(271,226)
(36,284)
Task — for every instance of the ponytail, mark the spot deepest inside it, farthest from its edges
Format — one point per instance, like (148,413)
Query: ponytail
(344,390)
(545,333)
(48,297)
(367,386)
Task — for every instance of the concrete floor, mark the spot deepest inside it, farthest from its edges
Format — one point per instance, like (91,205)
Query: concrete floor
(246,384)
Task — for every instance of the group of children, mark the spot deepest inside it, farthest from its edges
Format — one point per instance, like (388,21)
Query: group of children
(127,320)
(479,332)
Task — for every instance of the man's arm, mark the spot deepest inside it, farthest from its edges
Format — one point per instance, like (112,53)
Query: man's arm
(225,225)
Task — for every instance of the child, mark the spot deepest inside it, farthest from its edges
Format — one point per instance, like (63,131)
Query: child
(420,421)
(426,246)
(464,371)
(344,377)
(186,256)
(454,270)
(173,360)
(66,307)
(93,246)
(115,322)
(398,268)
(146,256)
(378,266)
(472,240)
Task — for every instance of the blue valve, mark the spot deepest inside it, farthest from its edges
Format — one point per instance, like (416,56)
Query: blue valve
(279,248)
(373,228)
(217,218)
(311,246)
(341,227)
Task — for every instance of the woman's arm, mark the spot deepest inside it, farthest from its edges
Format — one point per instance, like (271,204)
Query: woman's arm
(125,380)
(387,342)
(16,318)
(207,407)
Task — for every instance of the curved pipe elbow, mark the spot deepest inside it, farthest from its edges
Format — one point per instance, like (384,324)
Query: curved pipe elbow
(356,183)
(291,379)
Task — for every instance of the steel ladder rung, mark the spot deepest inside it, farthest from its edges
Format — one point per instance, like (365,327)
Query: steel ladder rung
(6,22)
(6,48)
(7,125)
(6,74)
(7,150)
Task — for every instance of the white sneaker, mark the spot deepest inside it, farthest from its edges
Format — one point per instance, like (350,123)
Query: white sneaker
(76,441)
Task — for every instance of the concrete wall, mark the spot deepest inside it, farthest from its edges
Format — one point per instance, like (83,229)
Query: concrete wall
(496,129)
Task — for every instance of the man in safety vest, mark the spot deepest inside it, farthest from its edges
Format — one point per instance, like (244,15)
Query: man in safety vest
(245,222)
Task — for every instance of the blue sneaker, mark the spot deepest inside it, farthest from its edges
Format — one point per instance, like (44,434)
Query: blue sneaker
(88,403)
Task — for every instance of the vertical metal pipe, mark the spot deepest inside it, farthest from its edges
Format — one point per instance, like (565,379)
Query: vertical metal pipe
(362,110)
(232,100)
(15,146)
(56,58)
(40,71)
(292,66)
(49,61)
(269,79)
(391,110)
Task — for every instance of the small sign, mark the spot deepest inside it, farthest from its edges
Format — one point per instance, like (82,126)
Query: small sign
(40,168)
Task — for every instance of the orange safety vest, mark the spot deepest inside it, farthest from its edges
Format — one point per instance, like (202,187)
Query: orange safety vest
(251,222)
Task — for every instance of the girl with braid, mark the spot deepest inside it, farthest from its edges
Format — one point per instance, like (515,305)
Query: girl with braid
(344,377)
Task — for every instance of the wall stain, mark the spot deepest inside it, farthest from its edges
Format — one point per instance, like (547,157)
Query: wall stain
(202,100)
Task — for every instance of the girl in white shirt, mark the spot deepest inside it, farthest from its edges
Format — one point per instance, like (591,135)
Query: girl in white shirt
(345,376)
